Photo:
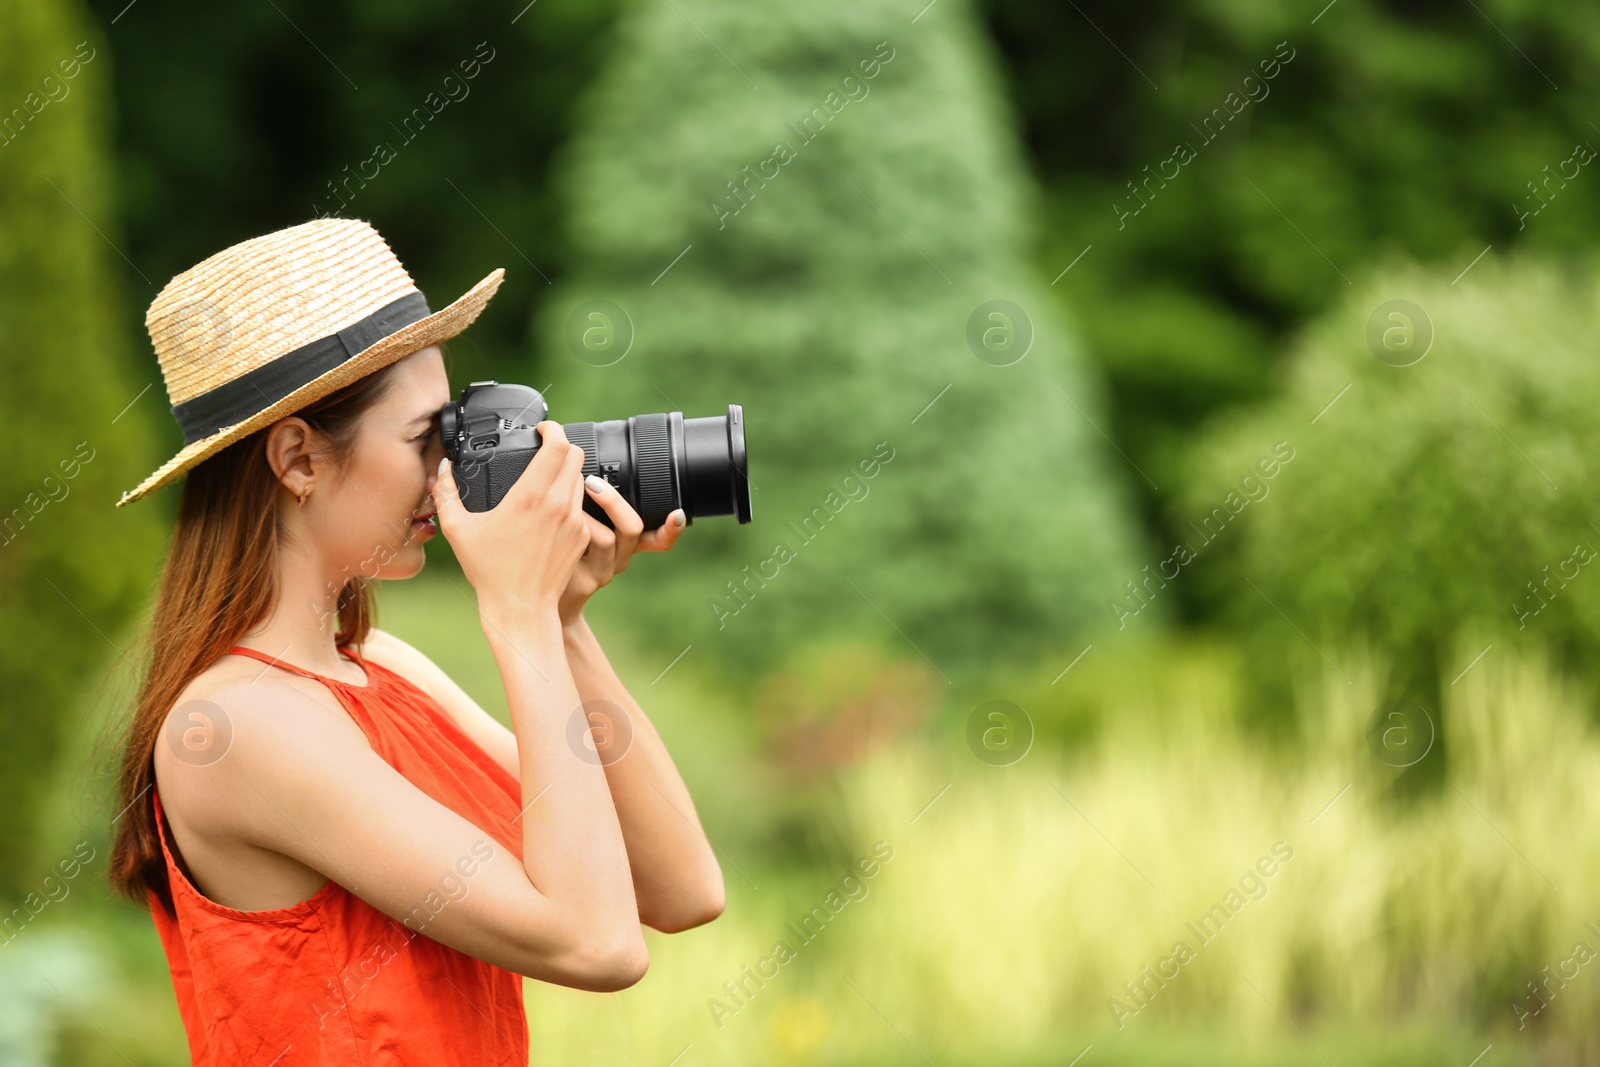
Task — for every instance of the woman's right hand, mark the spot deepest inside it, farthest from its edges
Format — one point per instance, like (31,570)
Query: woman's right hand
(519,555)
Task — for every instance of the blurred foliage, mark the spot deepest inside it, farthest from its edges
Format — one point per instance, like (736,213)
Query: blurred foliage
(1453,491)
(243,122)
(71,569)
(32,976)
(1410,127)
(805,224)
(832,296)
(1414,125)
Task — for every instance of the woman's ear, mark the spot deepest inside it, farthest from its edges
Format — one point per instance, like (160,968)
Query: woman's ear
(290,445)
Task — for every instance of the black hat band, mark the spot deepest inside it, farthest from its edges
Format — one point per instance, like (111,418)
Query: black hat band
(256,390)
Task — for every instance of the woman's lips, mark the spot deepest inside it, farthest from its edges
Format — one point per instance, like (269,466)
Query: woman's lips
(426,526)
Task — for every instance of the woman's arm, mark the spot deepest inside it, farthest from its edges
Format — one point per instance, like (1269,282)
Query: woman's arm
(675,873)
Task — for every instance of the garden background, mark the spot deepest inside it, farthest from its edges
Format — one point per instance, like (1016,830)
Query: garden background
(1231,371)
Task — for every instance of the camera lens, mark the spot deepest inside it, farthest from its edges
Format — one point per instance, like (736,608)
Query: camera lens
(663,461)
(716,468)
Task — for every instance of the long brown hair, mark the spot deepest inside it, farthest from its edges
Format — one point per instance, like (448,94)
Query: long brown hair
(219,582)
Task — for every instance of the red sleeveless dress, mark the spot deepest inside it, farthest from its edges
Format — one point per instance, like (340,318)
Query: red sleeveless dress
(332,980)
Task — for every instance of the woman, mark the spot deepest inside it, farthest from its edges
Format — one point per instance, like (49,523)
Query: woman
(349,861)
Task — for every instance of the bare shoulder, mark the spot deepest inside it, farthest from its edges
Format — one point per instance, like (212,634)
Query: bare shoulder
(232,724)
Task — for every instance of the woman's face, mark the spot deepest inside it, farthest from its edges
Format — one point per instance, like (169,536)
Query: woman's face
(368,516)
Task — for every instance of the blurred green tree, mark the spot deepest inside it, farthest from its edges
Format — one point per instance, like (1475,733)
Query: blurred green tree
(73,569)
(809,212)
(1454,491)
(1410,127)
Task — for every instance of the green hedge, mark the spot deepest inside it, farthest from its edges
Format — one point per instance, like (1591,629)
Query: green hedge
(73,568)
(1457,491)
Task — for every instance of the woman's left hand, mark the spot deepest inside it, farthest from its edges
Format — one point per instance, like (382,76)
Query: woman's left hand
(610,548)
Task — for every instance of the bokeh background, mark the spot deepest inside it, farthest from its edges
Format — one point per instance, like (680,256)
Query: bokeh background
(1173,433)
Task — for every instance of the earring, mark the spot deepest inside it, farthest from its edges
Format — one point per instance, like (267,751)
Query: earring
(302,497)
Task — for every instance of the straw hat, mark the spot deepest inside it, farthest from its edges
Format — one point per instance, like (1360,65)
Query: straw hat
(264,328)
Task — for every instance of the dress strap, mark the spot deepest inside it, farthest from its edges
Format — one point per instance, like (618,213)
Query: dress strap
(240,650)
(274,661)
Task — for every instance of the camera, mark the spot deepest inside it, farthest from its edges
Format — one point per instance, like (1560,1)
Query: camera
(658,462)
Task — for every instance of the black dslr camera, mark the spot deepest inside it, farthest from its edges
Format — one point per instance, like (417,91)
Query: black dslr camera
(657,462)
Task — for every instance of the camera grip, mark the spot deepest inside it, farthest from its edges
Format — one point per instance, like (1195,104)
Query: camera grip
(483,482)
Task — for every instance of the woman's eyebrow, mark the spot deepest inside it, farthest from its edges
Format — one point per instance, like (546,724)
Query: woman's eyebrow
(426,416)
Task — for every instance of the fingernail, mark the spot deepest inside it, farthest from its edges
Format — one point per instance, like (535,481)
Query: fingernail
(442,462)
(677,518)
(596,484)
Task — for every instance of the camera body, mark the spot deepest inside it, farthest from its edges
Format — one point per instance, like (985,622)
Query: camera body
(658,462)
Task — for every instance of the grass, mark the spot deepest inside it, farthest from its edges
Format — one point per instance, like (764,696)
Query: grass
(1023,899)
